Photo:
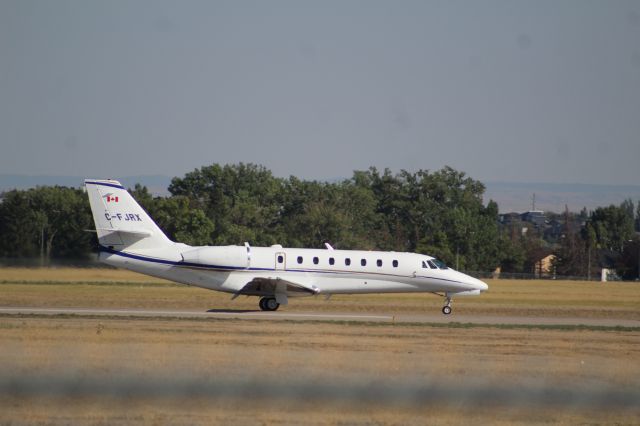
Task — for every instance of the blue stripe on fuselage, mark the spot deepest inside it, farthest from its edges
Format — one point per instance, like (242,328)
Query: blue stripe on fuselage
(235,268)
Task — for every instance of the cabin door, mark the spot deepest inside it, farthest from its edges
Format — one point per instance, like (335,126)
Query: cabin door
(281,261)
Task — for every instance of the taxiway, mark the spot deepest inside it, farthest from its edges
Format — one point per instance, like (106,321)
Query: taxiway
(328,316)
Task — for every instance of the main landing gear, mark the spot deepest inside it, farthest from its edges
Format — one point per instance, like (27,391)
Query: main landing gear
(269,304)
(447,308)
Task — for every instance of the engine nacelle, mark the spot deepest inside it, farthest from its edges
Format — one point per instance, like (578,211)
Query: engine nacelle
(232,257)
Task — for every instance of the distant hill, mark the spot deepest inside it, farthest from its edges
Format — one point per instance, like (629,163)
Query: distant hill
(156,184)
(511,197)
(517,197)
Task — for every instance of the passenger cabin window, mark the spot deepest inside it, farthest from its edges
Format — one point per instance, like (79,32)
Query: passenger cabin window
(315,260)
(395,263)
(280,258)
(363,262)
(347,261)
(331,261)
(379,263)
(299,259)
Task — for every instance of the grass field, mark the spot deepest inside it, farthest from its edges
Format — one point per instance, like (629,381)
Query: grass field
(314,353)
(118,288)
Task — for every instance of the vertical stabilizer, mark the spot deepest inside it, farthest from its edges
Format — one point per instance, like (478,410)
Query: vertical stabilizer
(120,221)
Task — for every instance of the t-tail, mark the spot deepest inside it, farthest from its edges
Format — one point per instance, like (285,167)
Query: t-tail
(121,223)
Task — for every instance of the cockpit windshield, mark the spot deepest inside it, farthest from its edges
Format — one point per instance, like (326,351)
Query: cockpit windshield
(434,264)
(440,264)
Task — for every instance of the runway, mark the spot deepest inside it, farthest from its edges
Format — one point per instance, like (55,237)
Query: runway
(327,316)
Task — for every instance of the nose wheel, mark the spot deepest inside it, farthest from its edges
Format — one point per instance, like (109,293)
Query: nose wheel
(446,309)
(269,304)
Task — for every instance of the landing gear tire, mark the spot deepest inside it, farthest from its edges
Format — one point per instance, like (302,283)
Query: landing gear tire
(447,305)
(269,304)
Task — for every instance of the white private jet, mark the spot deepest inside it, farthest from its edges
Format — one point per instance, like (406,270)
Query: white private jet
(130,239)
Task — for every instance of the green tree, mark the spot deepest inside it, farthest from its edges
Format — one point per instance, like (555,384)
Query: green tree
(590,238)
(46,222)
(440,213)
(310,214)
(613,225)
(142,195)
(21,227)
(182,223)
(241,200)
(512,254)
(176,217)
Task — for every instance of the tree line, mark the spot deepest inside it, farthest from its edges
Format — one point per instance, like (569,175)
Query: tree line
(441,213)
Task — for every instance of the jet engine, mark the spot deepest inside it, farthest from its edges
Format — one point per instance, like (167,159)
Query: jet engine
(227,257)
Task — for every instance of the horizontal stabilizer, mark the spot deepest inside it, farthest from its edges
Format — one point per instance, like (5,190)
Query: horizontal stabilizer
(135,233)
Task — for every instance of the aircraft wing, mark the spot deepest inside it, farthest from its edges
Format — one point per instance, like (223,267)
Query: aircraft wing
(274,286)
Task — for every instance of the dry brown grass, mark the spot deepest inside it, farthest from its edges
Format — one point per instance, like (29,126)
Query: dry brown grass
(317,351)
(73,275)
(331,350)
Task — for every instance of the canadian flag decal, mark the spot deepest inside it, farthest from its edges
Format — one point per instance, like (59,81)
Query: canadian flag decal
(111,198)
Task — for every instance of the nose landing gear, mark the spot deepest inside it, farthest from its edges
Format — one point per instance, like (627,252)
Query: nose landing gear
(447,307)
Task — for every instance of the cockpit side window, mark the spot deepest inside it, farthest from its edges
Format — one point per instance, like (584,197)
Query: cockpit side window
(424,264)
(432,265)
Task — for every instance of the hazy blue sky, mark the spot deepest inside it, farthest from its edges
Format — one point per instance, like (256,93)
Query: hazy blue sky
(543,91)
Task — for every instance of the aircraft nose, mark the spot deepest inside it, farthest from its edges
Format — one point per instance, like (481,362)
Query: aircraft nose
(481,285)
(476,284)
(473,283)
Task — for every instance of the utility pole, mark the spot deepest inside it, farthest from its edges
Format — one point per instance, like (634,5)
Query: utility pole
(533,202)
(589,263)
(638,247)
(42,244)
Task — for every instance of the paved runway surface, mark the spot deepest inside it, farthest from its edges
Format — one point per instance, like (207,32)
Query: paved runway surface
(326,316)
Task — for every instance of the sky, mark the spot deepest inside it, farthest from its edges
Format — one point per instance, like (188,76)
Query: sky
(513,91)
